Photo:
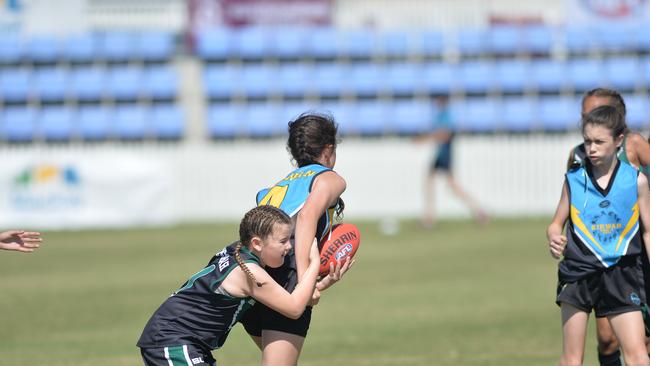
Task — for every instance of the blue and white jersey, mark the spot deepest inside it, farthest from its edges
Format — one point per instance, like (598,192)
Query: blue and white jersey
(291,193)
(603,225)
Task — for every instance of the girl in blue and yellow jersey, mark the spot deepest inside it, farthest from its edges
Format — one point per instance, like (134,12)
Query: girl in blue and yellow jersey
(607,205)
(634,150)
(311,196)
(197,318)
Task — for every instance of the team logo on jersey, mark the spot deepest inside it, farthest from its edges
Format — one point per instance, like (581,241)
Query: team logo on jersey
(606,226)
(635,299)
(604,204)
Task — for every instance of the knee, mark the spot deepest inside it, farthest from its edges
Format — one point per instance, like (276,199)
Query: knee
(637,359)
(570,361)
(607,343)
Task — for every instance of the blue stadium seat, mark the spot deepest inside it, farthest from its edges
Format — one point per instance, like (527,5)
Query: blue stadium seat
(19,124)
(585,74)
(616,37)
(225,120)
(94,123)
(323,42)
(644,65)
(125,82)
(15,84)
(513,75)
(288,42)
(548,75)
(215,44)
(478,115)
(131,122)
(359,43)
(344,114)
(579,39)
(118,46)
(519,114)
(167,121)
(295,79)
(367,78)
(82,47)
(155,46)
(259,80)
(431,43)
(252,42)
(11,48)
(537,39)
(221,81)
(43,49)
(264,120)
(331,79)
(395,43)
(88,83)
(57,123)
(403,78)
(504,39)
(622,73)
(477,76)
(51,84)
(411,117)
(472,42)
(160,82)
(371,118)
(439,77)
(559,114)
(642,41)
(637,109)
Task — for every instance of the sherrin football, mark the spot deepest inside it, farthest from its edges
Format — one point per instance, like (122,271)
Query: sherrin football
(342,242)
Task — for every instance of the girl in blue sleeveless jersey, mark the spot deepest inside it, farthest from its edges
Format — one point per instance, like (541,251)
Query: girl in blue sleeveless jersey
(634,150)
(607,205)
(311,196)
(198,317)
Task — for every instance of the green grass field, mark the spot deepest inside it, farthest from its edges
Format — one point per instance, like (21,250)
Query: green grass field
(456,295)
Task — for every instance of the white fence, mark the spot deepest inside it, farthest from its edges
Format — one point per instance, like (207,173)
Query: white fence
(151,184)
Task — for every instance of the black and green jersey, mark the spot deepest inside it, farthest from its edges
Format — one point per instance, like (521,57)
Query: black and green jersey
(200,312)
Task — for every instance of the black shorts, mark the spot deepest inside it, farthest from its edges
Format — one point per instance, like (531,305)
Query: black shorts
(183,355)
(616,290)
(261,317)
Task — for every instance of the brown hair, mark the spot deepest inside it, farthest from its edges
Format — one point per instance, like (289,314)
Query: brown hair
(607,116)
(258,222)
(615,98)
(308,136)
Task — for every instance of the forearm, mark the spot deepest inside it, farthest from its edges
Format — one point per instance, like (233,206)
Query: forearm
(303,292)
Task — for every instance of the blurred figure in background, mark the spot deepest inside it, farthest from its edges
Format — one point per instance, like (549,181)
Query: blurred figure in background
(20,241)
(442,133)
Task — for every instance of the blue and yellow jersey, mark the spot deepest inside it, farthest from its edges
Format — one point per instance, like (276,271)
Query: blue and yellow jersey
(290,195)
(603,224)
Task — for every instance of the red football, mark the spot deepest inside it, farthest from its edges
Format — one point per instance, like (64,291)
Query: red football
(342,242)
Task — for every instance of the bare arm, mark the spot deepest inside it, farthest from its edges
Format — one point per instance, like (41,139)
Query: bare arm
(556,240)
(638,150)
(644,209)
(325,191)
(271,294)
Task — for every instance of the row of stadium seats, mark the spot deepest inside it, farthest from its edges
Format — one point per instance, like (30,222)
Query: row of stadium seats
(91,83)
(292,79)
(316,43)
(92,123)
(471,115)
(87,47)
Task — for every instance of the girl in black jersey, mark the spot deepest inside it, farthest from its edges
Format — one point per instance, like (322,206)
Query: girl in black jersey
(198,317)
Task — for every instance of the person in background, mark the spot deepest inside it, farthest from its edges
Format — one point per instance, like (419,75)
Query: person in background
(443,135)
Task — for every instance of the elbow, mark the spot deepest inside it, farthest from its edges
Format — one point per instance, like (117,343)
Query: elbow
(294,313)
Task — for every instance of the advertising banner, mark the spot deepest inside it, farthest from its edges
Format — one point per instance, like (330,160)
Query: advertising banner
(86,190)
(582,12)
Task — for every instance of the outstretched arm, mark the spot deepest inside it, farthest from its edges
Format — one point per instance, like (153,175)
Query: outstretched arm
(20,241)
